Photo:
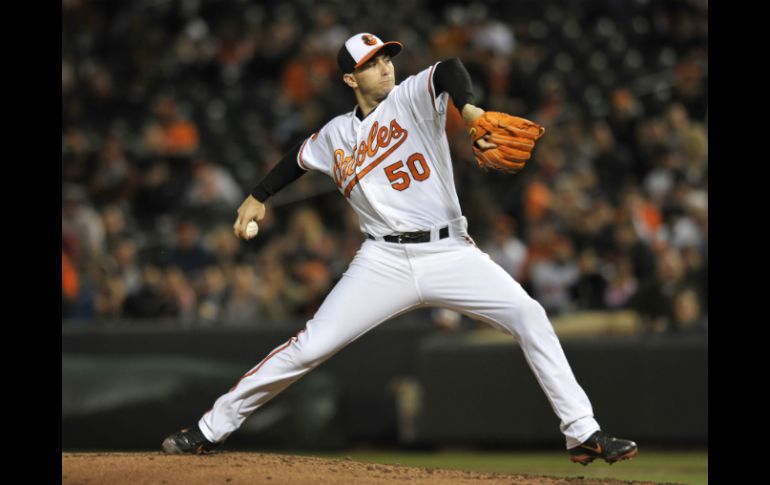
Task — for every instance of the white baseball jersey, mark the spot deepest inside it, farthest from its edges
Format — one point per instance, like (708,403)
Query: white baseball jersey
(394,167)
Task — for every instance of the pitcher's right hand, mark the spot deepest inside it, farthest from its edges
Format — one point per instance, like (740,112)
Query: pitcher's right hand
(251,209)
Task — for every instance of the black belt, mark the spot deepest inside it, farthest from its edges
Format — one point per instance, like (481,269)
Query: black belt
(412,237)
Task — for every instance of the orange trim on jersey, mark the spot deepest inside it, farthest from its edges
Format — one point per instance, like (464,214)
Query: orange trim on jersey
(299,156)
(371,166)
(430,88)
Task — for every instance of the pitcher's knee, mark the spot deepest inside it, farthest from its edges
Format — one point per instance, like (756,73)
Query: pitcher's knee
(531,318)
(309,354)
(532,309)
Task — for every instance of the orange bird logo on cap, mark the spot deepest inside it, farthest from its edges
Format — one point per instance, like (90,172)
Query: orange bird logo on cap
(368,39)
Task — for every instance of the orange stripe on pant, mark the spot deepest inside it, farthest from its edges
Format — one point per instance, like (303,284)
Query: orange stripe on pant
(272,354)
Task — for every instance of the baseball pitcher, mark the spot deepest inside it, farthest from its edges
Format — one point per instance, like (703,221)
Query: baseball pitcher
(390,159)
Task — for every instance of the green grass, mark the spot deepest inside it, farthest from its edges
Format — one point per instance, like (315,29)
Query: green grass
(690,468)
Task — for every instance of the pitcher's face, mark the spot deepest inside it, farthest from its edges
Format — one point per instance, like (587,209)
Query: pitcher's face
(376,78)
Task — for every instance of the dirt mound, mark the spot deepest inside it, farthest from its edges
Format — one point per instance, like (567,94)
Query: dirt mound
(231,468)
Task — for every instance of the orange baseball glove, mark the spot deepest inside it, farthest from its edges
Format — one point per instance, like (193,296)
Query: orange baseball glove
(515,139)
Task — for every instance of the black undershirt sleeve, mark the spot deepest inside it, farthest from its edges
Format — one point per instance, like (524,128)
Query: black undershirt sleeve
(451,76)
(285,172)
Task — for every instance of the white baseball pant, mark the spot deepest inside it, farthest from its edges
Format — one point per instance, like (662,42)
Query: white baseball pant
(388,279)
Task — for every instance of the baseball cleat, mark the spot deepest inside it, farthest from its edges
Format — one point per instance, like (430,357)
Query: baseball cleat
(188,441)
(602,445)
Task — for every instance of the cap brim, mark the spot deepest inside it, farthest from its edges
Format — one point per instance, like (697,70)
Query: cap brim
(390,48)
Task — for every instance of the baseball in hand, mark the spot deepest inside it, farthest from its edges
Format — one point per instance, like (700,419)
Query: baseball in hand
(251,229)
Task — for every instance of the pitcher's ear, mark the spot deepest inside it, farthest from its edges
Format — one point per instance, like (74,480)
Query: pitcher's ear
(350,80)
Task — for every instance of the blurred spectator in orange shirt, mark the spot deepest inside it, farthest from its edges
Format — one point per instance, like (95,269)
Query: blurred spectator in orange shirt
(70,284)
(307,73)
(645,217)
(453,38)
(171,133)
(537,200)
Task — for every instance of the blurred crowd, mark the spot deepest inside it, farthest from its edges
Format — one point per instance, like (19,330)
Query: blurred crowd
(173,109)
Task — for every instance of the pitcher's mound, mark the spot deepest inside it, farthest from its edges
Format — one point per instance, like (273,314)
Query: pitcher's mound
(233,468)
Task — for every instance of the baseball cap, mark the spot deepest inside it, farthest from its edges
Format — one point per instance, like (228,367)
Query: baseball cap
(361,47)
